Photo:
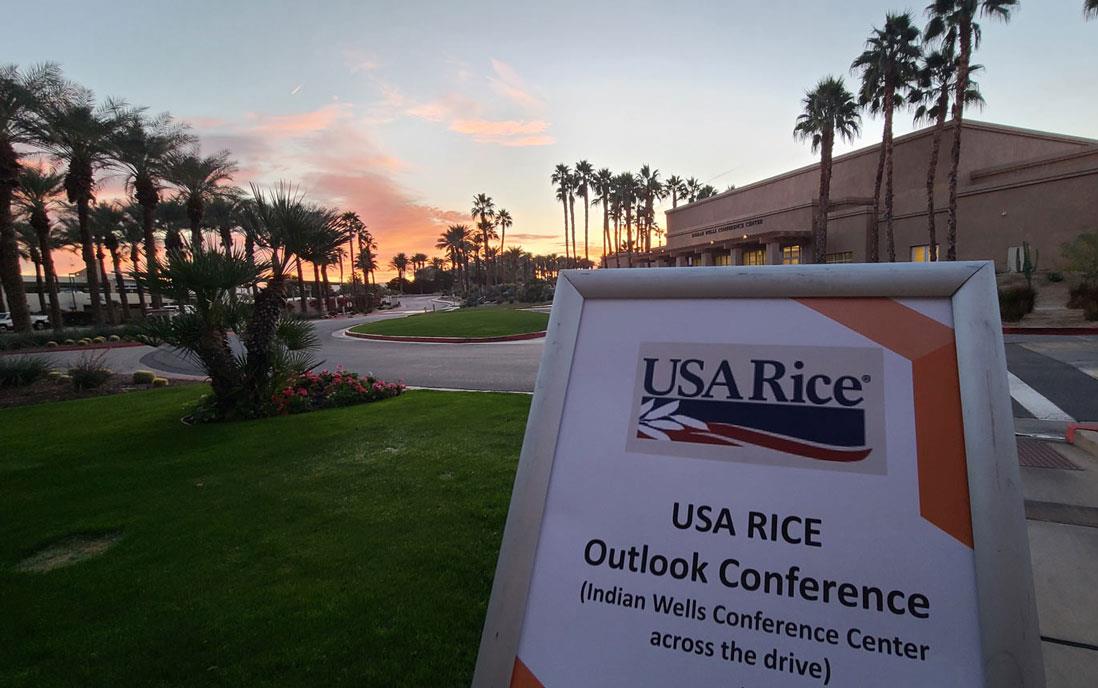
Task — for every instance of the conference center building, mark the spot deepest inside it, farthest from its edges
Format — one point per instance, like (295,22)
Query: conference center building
(1014,186)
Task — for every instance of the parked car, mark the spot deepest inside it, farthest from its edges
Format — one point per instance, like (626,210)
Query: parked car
(38,322)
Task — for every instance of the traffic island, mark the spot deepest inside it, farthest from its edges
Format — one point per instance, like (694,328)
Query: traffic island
(446,340)
(483,324)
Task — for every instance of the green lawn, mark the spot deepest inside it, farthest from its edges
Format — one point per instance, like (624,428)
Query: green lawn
(345,547)
(482,321)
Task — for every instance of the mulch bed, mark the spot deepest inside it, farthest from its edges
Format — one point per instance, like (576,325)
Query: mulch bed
(52,390)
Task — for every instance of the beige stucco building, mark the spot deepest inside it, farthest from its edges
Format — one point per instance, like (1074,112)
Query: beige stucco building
(1014,185)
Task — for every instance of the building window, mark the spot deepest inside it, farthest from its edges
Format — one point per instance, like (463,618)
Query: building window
(921,253)
(839,257)
(755,256)
(690,261)
(791,255)
(722,259)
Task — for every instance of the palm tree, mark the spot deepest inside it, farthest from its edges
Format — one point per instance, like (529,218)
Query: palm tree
(222,216)
(145,147)
(562,177)
(21,98)
(455,241)
(484,208)
(131,237)
(583,177)
(626,189)
(367,262)
(399,263)
(503,221)
(419,261)
(38,194)
(829,109)
(955,20)
(355,227)
(199,180)
(603,184)
(80,133)
(674,187)
(106,220)
(937,72)
(889,67)
(651,190)
(691,187)
(28,249)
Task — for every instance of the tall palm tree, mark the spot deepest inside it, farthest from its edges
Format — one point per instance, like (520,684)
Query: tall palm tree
(79,133)
(651,190)
(503,221)
(484,208)
(455,241)
(28,249)
(367,262)
(222,216)
(582,179)
(355,227)
(200,180)
(937,72)
(603,184)
(106,221)
(674,187)
(22,95)
(38,194)
(829,109)
(626,189)
(562,177)
(957,18)
(114,245)
(132,237)
(144,147)
(889,68)
(399,263)
(691,187)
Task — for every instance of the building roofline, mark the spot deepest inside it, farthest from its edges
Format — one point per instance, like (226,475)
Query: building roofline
(910,136)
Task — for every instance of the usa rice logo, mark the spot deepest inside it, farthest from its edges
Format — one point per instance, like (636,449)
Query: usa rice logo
(817,407)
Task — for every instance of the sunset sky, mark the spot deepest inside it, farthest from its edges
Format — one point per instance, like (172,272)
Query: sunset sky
(403,111)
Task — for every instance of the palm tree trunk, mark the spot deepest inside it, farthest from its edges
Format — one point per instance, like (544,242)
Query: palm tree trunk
(10,276)
(249,251)
(572,211)
(121,285)
(605,228)
(873,237)
(629,233)
(820,242)
(41,225)
(316,290)
(3,301)
(86,253)
(586,255)
(301,288)
(38,286)
(617,241)
(958,117)
(328,307)
(259,339)
(889,98)
(564,204)
(106,283)
(135,257)
(932,173)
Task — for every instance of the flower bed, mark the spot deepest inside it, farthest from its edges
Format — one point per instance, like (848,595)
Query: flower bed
(311,391)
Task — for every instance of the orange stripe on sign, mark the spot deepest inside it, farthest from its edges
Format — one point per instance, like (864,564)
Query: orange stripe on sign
(939,429)
(522,677)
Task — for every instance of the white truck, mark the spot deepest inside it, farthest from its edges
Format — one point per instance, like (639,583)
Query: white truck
(38,322)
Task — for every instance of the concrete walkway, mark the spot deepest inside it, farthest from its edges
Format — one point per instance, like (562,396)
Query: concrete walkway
(1062,517)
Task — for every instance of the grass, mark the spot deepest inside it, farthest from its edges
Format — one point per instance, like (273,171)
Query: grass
(347,547)
(482,321)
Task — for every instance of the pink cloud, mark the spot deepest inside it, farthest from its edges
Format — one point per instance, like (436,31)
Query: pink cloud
(304,122)
(504,132)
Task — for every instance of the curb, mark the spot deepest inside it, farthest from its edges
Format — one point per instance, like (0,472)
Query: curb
(55,349)
(446,340)
(1087,440)
(1051,330)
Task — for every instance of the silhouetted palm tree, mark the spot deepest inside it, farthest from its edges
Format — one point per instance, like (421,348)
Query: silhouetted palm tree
(626,190)
(889,67)
(937,73)
(27,248)
(829,109)
(503,221)
(582,179)
(22,95)
(603,184)
(105,219)
(144,147)
(38,194)
(484,208)
(80,133)
(674,187)
(562,177)
(957,19)
(199,180)
(132,237)
(399,263)
(651,189)
(455,241)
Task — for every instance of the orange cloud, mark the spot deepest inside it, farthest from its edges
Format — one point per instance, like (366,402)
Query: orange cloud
(504,132)
(302,123)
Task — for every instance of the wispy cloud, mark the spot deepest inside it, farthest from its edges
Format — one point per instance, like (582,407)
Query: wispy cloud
(507,82)
(297,89)
(504,132)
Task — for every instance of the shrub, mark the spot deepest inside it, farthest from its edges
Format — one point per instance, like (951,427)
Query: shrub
(51,344)
(1015,302)
(1054,276)
(55,375)
(89,372)
(20,371)
(160,382)
(143,377)
(149,339)
(114,338)
(310,391)
(70,342)
(99,340)
(83,342)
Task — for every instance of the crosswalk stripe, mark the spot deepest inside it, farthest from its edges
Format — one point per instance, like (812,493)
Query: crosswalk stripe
(1034,402)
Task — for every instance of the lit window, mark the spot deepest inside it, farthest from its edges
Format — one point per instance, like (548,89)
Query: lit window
(840,257)
(722,259)
(921,253)
(791,255)
(755,256)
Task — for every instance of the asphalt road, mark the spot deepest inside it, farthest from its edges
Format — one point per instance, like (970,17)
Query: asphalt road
(1054,377)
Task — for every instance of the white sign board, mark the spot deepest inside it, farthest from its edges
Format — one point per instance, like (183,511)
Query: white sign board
(768,476)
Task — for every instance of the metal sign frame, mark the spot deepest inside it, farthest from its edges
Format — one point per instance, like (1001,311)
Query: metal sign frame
(1007,610)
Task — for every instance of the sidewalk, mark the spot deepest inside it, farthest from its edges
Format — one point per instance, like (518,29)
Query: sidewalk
(1060,485)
